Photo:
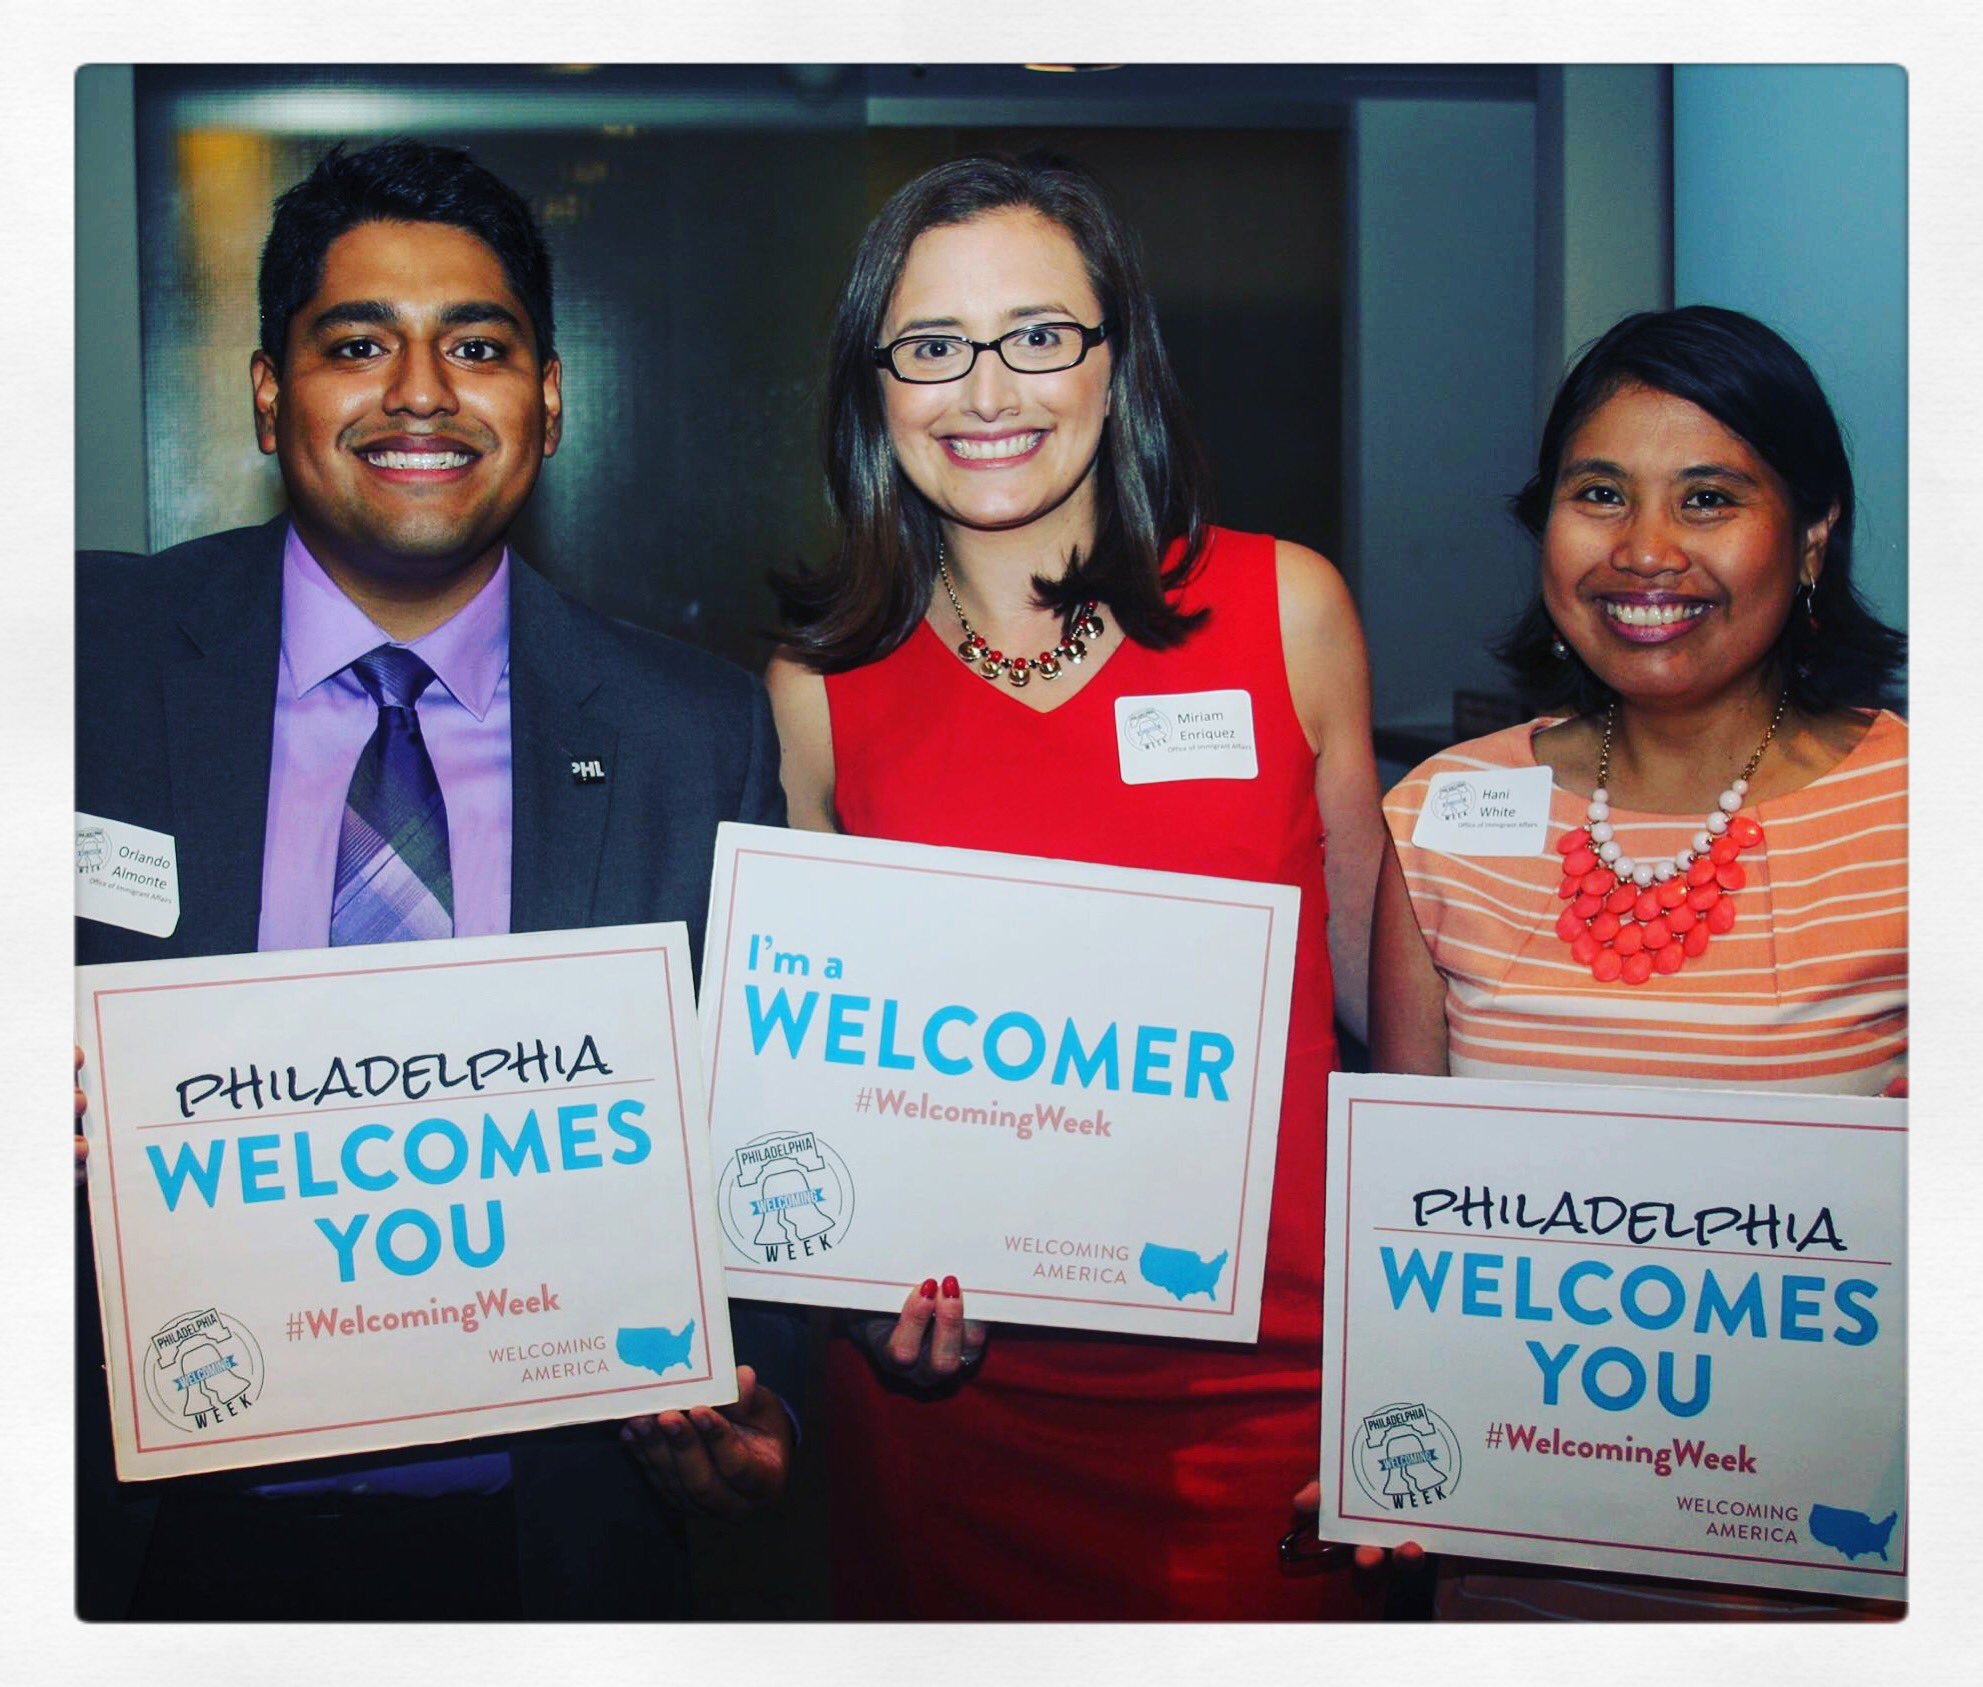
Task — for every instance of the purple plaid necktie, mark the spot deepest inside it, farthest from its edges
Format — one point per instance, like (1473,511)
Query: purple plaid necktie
(393,878)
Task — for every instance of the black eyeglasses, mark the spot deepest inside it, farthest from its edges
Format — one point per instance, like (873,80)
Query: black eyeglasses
(1040,348)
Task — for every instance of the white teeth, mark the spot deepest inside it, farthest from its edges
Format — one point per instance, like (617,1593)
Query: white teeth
(1654,614)
(418,459)
(981,450)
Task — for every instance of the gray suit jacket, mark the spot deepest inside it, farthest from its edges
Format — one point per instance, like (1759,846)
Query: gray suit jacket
(177,660)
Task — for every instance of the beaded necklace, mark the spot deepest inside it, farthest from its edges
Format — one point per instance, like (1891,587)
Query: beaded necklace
(1629,919)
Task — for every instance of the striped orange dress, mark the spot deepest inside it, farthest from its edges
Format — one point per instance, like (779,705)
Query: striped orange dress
(1808,991)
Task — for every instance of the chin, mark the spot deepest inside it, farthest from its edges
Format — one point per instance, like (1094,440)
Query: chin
(425,556)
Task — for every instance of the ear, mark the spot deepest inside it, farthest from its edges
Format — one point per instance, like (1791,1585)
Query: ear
(264,383)
(554,406)
(1811,559)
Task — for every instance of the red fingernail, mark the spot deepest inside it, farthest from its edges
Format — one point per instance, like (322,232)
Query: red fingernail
(950,1288)
(929,1287)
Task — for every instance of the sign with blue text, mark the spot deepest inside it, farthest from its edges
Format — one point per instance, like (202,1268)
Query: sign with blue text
(1058,1082)
(1657,1331)
(352,1199)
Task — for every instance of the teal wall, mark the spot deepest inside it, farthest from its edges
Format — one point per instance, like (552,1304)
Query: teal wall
(1790,203)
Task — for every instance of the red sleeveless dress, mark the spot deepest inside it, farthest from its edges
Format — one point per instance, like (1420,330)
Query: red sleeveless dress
(1078,1476)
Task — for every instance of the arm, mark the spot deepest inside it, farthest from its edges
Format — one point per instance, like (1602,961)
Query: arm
(1408,1030)
(930,1342)
(763,799)
(805,741)
(1329,678)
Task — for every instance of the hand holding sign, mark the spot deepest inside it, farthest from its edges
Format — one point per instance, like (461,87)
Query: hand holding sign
(1308,1497)
(82,1142)
(370,1197)
(931,1343)
(727,1462)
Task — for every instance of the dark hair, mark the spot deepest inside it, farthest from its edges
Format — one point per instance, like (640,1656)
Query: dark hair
(398,182)
(1749,379)
(1150,479)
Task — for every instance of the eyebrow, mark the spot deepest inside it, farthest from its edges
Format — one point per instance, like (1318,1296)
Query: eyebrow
(1058,312)
(378,313)
(1694,471)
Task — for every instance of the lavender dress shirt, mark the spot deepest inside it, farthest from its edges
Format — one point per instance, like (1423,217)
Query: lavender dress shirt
(323,720)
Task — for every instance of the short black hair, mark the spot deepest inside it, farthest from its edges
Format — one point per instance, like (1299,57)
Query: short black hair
(1751,380)
(398,181)
(1151,484)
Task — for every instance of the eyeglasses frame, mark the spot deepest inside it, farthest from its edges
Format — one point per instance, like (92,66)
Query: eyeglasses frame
(884,356)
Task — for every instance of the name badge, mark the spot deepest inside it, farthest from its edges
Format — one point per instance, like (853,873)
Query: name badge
(1186,735)
(126,875)
(1504,813)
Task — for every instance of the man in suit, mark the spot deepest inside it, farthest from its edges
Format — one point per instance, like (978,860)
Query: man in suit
(369,720)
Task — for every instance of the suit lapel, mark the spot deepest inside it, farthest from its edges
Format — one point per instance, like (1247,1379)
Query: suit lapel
(219,728)
(558,819)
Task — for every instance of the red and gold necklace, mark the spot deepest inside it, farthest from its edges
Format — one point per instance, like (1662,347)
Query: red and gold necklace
(1630,919)
(976,649)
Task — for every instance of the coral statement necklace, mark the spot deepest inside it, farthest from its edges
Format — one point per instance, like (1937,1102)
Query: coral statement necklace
(1630,919)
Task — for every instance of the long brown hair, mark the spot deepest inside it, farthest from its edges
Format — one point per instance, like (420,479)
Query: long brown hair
(1151,482)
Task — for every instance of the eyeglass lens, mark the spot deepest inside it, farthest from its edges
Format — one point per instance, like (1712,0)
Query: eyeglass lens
(1038,349)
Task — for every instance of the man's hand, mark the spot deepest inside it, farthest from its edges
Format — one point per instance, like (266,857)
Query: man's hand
(724,1461)
(1309,1498)
(82,1142)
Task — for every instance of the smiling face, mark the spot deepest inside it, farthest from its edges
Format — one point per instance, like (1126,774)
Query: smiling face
(411,414)
(999,449)
(1671,557)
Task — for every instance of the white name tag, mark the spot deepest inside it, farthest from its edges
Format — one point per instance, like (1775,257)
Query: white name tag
(1505,813)
(126,875)
(1186,735)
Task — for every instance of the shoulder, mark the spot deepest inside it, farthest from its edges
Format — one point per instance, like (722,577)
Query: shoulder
(1322,649)
(114,581)
(633,661)
(1512,746)
(801,708)
(1315,600)
(1887,736)
(794,685)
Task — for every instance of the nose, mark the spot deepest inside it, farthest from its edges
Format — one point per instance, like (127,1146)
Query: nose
(422,383)
(989,390)
(1650,543)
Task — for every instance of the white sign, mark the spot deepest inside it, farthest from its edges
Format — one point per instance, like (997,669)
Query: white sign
(126,875)
(1505,812)
(1059,1082)
(1186,735)
(1648,1330)
(360,1198)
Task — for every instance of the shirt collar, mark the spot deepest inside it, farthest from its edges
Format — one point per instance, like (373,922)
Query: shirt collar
(324,632)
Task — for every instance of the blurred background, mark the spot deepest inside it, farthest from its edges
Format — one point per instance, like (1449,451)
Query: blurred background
(1371,278)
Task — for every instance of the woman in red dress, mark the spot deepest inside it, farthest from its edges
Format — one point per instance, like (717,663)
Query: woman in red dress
(1010,464)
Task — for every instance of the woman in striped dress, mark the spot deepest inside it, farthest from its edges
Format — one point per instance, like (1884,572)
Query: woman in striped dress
(1722,900)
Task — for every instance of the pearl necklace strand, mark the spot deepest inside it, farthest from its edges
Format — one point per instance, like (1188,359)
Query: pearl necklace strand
(1598,812)
(1628,919)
